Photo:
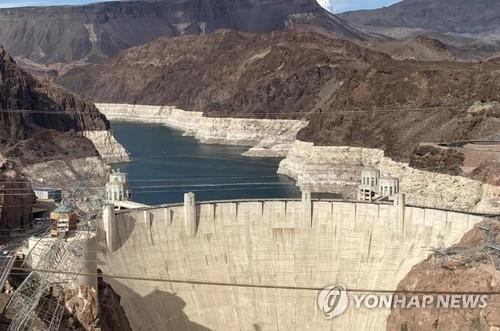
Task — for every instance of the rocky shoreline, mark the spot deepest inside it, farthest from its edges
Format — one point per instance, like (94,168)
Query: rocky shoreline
(107,146)
(318,168)
(270,138)
(338,169)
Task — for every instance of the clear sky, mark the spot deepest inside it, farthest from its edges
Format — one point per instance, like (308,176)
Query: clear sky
(336,6)
(339,6)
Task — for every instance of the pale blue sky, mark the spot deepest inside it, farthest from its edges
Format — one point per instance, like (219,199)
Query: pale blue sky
(337,6)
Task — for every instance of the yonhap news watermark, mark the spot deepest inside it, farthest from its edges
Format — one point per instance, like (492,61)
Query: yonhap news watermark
(334,300)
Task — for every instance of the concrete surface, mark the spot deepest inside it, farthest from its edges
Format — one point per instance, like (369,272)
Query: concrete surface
(271,243)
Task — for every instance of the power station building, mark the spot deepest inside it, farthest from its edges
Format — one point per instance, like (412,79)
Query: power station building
(374,187)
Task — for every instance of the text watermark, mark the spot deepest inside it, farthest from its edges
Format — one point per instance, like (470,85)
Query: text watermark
(334,301)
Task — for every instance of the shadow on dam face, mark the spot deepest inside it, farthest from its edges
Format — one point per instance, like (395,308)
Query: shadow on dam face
(157,303)
(268,243)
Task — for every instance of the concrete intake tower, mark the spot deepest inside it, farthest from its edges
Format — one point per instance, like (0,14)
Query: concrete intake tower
(306,244)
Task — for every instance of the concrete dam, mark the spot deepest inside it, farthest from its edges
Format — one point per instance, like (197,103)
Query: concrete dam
(284,249)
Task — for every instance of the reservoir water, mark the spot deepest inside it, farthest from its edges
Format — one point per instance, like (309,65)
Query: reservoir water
(167,164)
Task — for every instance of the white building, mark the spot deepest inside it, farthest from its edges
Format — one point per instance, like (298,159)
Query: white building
(117,188)
(48,194)
(375,187)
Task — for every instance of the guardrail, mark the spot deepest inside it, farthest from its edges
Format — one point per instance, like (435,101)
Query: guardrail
(180,204)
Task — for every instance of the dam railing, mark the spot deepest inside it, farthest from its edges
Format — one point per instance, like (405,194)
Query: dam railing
(180,204)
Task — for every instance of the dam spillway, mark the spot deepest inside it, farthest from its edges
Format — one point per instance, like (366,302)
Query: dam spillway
(291,243)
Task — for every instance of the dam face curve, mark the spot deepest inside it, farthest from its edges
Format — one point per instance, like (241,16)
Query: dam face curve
(306,244)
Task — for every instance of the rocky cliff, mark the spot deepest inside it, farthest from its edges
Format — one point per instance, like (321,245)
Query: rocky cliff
(338,169)
(470,28)
(350,95)
(93,32)
(266,137)
(469,266)
(28,106)
(41,124)
(479,17)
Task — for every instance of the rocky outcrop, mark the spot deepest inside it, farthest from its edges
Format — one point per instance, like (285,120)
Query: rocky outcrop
(338,169)
(420,48)
(49,106)
(468,266)
(469,28)
(107,146)
(470,18)
(267,137)
(82,305)
(40,119)
(82,180)
(93,32)
(431,157)
(350,95)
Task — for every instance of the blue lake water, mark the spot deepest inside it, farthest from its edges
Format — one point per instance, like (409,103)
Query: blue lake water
(166,165)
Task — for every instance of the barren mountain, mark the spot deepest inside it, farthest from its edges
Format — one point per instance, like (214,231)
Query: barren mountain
(470,28)
(479,18)
(37,123)
(418,48)
(352,95)
(29,109)
(90,33)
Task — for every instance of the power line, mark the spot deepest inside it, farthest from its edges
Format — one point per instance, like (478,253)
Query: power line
(354,110)
(244,285)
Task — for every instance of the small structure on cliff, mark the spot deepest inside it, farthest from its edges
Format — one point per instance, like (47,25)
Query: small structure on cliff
(63,220)
(48,194)
(117,188)
(374,187)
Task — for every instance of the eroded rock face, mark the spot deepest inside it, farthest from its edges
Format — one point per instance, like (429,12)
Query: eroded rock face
(474,18)
(351,96)
(437,159)
(47,128)
(96,31)
(338,169)
(466,267)
(107,146)
(266,137)
(20,91)
(82,304)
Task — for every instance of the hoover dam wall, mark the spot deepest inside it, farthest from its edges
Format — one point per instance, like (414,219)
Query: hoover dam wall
(267,243)
(338,169)
(267,137)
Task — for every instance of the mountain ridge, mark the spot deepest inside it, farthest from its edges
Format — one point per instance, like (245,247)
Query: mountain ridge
(93,32)
(471,29)
(289,74)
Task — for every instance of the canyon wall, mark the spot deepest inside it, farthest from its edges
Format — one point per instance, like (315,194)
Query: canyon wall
(265,243)
(338,169)
(82,180)
(267,137)
(107,146)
